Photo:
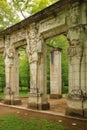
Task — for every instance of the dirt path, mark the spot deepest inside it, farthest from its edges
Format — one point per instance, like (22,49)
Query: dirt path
(65,121)
(57,106)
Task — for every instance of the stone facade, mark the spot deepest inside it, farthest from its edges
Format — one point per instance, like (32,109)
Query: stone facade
(55,74)
(68,17)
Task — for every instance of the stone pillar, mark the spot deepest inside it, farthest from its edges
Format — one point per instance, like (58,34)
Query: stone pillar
(84,75)
(77,72)
(36,54)
(55,74)
(77,38)
(11,72)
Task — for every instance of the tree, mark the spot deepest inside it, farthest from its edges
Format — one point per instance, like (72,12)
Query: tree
(28,7)
(7,15)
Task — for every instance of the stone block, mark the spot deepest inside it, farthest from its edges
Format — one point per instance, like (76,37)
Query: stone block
(39,106)
(15,102)
(85,113)
(55,96)
(75,107)
(74,112)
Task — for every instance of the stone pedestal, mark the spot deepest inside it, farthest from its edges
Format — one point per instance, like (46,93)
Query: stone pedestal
(75,104)
(55,74)
(38,101)
(12,102)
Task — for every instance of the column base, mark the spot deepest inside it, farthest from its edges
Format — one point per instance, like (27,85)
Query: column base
(74,112)
(15,102)
(85,107)
(55,96)
(85,113)
(39,106)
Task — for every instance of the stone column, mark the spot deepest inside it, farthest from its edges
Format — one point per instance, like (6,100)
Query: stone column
(11,72)
(77,37)
(77,71)
(84,75)
(36,54)
(55,74)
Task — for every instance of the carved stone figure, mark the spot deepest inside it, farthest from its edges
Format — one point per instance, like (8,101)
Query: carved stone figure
(9,54)
(75,49)
(32,44)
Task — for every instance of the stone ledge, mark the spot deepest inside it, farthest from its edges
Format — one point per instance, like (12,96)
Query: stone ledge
(55,96)
(74,112)
(39,106)
(15,102)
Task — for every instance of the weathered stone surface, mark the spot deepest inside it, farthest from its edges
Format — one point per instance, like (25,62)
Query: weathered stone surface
(74,112)
(14,102)
(55,96)
(55,74)
(68,17)
(39,106)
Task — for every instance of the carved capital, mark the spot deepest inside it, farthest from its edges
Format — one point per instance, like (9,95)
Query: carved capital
(75,42)
(77,94)
(34,43)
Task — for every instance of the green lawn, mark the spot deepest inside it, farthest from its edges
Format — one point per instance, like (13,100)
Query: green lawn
(21,94)
(12,122)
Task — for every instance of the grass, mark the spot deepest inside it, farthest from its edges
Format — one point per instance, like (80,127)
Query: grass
(12,122)
(21,94)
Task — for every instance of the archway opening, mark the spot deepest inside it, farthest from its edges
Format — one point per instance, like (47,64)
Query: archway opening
(2,76)
(60,59)
(24,74)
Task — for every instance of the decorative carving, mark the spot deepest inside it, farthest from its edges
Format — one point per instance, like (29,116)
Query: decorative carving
(77,94)
(32,43)
(9,54)
(75,48)
(75,44)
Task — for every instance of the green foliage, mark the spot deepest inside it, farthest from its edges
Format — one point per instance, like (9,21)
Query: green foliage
(28,7)
(24,71)
(2,73)
(12,122)
(7,15)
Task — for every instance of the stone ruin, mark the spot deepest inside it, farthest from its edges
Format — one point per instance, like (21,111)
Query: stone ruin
(68,17)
